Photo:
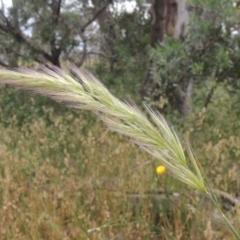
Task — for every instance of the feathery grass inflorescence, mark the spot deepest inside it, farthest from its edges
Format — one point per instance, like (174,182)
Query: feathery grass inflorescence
(82,90)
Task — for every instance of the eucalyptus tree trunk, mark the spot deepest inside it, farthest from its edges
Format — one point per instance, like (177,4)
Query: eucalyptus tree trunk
(169,17)
(158,21)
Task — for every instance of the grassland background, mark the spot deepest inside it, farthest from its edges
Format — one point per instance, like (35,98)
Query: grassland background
(63,175)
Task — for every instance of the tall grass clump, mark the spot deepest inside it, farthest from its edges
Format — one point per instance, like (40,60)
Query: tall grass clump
(82,90)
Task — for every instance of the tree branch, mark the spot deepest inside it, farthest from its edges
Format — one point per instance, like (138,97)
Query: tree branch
(19,37)
(36,10)
(96,15)
(56,9)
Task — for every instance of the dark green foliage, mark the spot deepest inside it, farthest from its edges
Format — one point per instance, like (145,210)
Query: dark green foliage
(210,54)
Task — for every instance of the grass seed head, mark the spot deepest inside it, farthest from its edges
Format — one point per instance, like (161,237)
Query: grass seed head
(84,91)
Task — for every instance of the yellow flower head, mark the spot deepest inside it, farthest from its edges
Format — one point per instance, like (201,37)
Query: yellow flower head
(160,169)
